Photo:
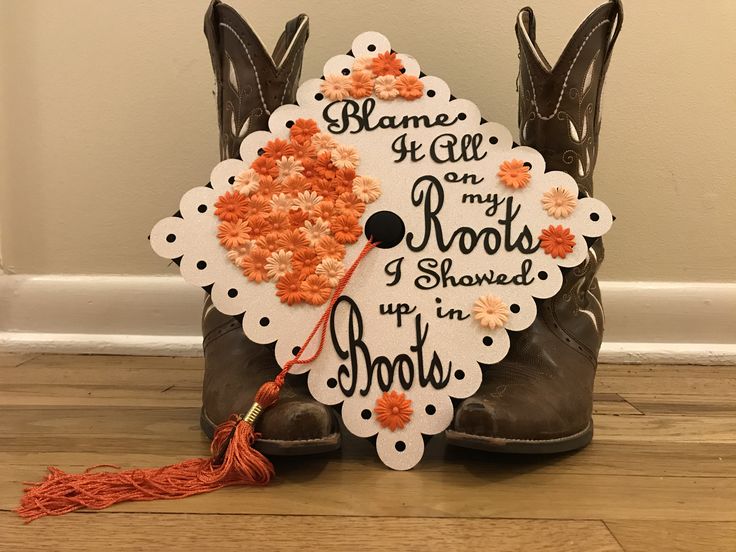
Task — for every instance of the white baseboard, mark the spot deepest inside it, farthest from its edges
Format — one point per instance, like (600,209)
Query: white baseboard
(647,322)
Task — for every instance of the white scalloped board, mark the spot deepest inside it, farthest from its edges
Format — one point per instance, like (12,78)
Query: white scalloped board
(424,341)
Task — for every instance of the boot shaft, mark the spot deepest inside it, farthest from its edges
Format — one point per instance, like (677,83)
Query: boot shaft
(559,107)
(251,83)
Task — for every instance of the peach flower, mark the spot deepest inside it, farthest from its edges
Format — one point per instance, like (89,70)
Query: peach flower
(278,264)
(307,201)
(363,63)
(281,203)
(292,240)
(386,64)
(278,148)
(361,84)
(385,87)
(288,166)
(514,174)
(231,206)
(409,87)
(315,230)
(332,269)
(366,188)
(558,202)
(323,142)
(325,209)
(288,289)
(393,410)
(302,130)
(279,221)
(345,228)
(238,256)
(247,182)
(316,289)
(329,247)
(265,166)
(557,241)
(345,157)
(490,312)
(294,184)
(233,234)
(254,266)
(336,87)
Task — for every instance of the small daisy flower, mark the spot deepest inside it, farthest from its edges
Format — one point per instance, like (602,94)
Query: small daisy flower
(302,130)
(514,174)
(385,87)
(268,241)
(233,234)
(254,266)
(393,410)
(363,63)
(387,64)
(265,166)
(247,182)
(281,203)
(361,84)
(558,202)
(490,312)
(316,289)
(278,264)
(231,206)
(332,269)
(278,148)
(409,87)
(288,289)
(238,256)
(292,240)
(366,188)
(305,261)
(350,204)
(345,228)
(323,142)
(288,166)
(336,87)
(345,157)
(314,231)
(329,247)
(307,201)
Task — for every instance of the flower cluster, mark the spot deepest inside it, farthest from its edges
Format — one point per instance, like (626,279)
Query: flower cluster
(382,75)
(288,218)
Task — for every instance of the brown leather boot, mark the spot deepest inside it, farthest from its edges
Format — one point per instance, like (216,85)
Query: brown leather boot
(250,85)
(539,399)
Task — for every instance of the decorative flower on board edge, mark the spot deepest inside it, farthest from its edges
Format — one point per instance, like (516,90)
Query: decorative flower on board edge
(490,312)
(558,202)
(386,64)
(409,87)
(393,410)
(385,87)
(557,241)
(231,206)
(514,174)
(362,84)
(336,87)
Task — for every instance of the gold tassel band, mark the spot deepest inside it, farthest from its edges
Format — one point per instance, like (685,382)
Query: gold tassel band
(252,414)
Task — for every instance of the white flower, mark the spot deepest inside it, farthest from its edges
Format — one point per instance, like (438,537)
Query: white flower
(323,142)
(278,264)
(247,182)
(345,157)
(490,312)
(366,188)
(307,201)
(288,166)
(332,269)
(315,230)
(281,203)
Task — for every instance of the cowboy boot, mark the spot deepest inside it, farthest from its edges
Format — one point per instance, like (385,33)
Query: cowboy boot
(251,84)
(539,399)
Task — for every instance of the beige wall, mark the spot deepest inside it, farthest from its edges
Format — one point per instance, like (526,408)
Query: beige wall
(107,116)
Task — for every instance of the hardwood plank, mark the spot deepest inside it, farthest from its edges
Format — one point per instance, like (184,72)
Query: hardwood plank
(685,429)
(14,359)
(674,536)
(73,394)
(683,405)
(678,380)
(613,404)
(106,531)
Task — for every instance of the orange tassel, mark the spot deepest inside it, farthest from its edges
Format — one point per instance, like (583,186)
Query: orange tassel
(234,461)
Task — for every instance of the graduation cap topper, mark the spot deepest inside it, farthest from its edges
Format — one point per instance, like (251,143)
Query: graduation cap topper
(470,230)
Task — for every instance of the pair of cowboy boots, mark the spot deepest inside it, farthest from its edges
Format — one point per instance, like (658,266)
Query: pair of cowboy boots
(539,399)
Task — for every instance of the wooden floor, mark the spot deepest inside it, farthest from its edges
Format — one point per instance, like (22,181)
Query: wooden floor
(660,474)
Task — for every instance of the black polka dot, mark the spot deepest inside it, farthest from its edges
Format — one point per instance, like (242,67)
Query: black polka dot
(493,140)
(459,374)
(231,180)
(515,308)
(202,208)
(462,116)
(346,71)
(332,383)
(542,275)
(488,341)
(201,265)
(171,238)
(400,446)
(366,414)
(528,165)
(371,47)
(264,321)
(319,97)
(595,217)
(232,293)
(431,93)
(295,350)
(261,151)
(289,124)
(430,409)
(403,70)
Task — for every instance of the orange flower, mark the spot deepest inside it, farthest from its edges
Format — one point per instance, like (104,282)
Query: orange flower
(345,176)
(256,205)
(345,228)
(297,218)
(267,187)
(557,241)
(316,289)
(279,222)
(303,129)
(303,151)
(309,164)
(268,242)
(294,185)
(254,266)
(409,87)
(349,204)
(289,289)
(233,234)
(265,166)
(361,84)
(325,210)
(393,410)
(305,261)
(278,148)
(386,64)
(514,174)
(324,166)
(258,227)
(231,206)
(292,240)
(325,188)
(328,247)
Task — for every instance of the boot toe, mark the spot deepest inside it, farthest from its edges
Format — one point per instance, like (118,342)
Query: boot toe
(297,419)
